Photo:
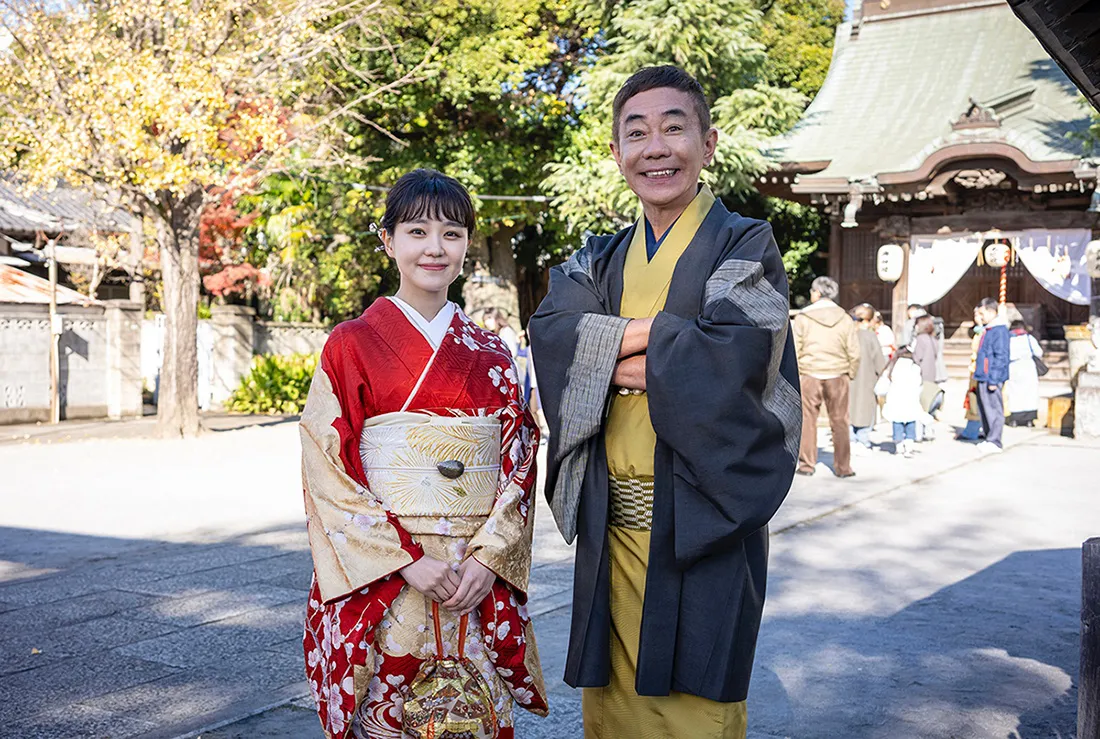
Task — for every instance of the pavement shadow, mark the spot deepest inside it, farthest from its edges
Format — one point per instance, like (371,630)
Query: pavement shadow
(119,637)
(994,649)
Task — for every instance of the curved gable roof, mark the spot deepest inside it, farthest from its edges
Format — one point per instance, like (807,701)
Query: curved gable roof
(898,92)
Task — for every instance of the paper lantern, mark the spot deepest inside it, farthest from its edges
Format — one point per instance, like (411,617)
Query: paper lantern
(997,254)
(891,262)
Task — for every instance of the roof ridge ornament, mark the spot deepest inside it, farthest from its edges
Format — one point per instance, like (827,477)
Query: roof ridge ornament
(977,116)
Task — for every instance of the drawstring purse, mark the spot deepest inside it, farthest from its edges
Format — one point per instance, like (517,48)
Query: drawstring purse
(448,698)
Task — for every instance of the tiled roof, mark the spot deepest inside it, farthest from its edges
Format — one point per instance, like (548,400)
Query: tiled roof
(17,286)
(63,209)
(895,89)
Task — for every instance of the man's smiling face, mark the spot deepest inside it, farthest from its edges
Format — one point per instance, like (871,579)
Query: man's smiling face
(661,147)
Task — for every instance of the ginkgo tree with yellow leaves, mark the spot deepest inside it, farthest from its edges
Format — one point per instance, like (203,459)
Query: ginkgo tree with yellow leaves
(172,103)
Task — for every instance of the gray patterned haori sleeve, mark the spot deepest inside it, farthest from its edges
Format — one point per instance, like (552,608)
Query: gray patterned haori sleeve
(582,407)
(743,284)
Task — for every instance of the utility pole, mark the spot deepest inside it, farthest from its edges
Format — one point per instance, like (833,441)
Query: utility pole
(55,336)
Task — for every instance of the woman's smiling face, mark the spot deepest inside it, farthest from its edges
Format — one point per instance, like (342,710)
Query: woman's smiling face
(429,253)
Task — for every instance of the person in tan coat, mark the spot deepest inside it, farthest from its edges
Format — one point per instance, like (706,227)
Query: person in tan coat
(863,403)
(827,346)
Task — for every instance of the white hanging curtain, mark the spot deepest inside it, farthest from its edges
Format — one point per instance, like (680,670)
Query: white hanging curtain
(1057,260)
(937,264)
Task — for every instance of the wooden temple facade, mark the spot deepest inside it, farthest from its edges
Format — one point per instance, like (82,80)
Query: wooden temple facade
(942,120)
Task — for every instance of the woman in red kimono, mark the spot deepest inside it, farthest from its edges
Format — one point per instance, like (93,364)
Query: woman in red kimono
(418,467)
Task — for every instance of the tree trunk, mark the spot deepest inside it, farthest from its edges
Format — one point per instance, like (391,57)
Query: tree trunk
(178,241)
(491,275)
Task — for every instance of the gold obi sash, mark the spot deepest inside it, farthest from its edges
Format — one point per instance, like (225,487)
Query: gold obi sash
(432,466)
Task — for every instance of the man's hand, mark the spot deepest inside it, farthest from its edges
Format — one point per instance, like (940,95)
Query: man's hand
(477,581)
(636,337)
(432,578)
(630,373)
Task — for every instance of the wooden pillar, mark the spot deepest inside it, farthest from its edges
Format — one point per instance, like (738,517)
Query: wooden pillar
(836,248)
(899,303)
(1088,693)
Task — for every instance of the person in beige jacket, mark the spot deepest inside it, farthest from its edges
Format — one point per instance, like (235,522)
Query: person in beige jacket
(827,346)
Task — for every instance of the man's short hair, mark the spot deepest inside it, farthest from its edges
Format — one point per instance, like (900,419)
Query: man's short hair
(916,306)
(650,78)
(989,304)
(827,287)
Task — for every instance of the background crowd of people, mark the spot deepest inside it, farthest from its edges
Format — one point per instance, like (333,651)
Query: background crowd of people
(855,365)
(496,320)
(863,373)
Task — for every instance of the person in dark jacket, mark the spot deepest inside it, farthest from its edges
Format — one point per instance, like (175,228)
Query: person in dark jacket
(991,373)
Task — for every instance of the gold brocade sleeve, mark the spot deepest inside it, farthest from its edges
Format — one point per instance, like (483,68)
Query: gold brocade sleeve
(503,543)
(352,539)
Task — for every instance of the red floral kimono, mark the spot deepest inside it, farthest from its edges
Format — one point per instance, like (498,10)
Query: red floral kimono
(366,632)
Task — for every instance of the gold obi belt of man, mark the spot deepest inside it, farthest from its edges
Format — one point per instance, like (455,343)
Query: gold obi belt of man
(426,468)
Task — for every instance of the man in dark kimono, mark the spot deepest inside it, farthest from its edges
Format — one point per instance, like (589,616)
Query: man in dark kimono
(670,387)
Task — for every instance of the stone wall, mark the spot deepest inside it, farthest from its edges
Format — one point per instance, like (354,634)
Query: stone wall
(238,336)
(289,338)
(99,361)
(108,351)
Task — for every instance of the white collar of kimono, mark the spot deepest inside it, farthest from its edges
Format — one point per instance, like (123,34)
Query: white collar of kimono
(433,330)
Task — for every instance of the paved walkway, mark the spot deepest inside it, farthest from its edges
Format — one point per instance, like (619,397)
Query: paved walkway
(155,589)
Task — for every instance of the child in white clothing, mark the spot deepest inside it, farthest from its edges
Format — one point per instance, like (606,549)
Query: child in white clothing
(901,384)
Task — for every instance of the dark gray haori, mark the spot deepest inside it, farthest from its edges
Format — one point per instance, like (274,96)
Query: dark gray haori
(722,386)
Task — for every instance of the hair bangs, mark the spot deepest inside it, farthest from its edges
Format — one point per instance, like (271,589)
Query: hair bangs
(439,205)
(425,194)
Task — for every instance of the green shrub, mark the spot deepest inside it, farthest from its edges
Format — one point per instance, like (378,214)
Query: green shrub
(276,384)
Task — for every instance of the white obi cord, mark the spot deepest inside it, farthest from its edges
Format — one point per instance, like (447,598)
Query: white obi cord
(402,453)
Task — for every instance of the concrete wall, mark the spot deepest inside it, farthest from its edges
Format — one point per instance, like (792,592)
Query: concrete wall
(107,351)
(99,361)
(288,338)
(227,342)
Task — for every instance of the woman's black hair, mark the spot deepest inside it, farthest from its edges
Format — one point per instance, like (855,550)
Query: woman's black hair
(426,193)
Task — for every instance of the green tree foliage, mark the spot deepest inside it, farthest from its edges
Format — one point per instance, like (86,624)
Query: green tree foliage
(502,93)
(798,36)
(714,40)
(1090,136)
(483,90)
(314,242)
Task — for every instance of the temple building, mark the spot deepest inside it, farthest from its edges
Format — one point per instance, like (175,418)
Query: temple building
(944,126)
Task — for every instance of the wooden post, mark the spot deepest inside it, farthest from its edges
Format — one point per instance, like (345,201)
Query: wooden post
(1088,690)
(899,304)
(55,337)
(836,248)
